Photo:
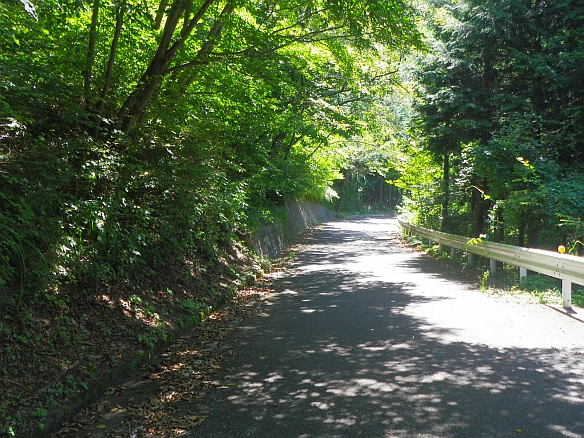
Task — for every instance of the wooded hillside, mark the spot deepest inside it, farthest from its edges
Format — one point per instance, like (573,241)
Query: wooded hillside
(141,141)
(500,100)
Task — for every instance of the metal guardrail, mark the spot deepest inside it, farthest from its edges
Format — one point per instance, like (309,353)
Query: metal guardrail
(566,267)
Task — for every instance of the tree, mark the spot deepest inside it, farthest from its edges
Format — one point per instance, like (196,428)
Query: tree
(492,88)
(256,30)
(241,101)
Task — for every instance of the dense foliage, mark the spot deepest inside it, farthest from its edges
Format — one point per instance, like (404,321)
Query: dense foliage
(139,137)
(133,131)
(500,115)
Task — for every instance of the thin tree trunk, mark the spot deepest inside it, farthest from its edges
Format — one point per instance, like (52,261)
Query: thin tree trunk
(110,64)
(277,144)
(295,138)
(446,192)
(90,51)
(521,235)
(152,76)
(160,14)
(136,103)
(381,182)
(499,225)
(187,79)
(533,227)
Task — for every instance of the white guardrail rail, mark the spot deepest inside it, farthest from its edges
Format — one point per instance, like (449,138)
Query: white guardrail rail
(566,267)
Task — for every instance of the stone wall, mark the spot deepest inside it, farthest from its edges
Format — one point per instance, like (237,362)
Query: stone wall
(271,239)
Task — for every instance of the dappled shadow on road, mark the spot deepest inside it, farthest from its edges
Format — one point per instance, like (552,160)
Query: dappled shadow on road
(341,355)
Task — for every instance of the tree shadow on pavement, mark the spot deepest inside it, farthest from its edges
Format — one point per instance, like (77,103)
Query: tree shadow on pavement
(337,353)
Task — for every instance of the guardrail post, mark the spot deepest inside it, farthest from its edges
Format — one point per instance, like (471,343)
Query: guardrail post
(493,267)
(571,268)
(453,253)
(567,294)
(522,273)
(440,248)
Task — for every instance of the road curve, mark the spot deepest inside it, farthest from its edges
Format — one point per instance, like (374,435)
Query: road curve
(364,338)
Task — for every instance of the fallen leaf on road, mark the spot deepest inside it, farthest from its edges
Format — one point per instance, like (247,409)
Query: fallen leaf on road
(184,370)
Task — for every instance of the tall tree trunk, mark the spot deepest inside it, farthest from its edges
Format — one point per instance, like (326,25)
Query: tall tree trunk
(110,64)
(445,192)
(478,225)
(90,51)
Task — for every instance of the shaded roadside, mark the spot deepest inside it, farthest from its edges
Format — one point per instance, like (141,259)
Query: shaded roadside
(362,337)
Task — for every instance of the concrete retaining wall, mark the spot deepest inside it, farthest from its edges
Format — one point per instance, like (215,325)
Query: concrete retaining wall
(271,239)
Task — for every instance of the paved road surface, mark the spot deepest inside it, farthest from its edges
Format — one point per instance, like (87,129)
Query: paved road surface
(364,338)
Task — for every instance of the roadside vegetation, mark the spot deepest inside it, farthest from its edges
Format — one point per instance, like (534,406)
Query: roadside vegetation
(143,141)
(497,122)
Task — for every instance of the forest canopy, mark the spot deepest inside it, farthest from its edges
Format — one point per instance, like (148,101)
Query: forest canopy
(140,138)
(128,124)
(136,131)
(499,109)
(131,123)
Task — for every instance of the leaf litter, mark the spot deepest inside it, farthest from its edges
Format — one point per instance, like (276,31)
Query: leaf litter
(148,405)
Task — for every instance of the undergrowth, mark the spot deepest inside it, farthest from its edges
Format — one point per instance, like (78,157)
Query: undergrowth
(55,351)
(105,247)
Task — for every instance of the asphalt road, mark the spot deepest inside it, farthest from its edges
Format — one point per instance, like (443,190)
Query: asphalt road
(363,337)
